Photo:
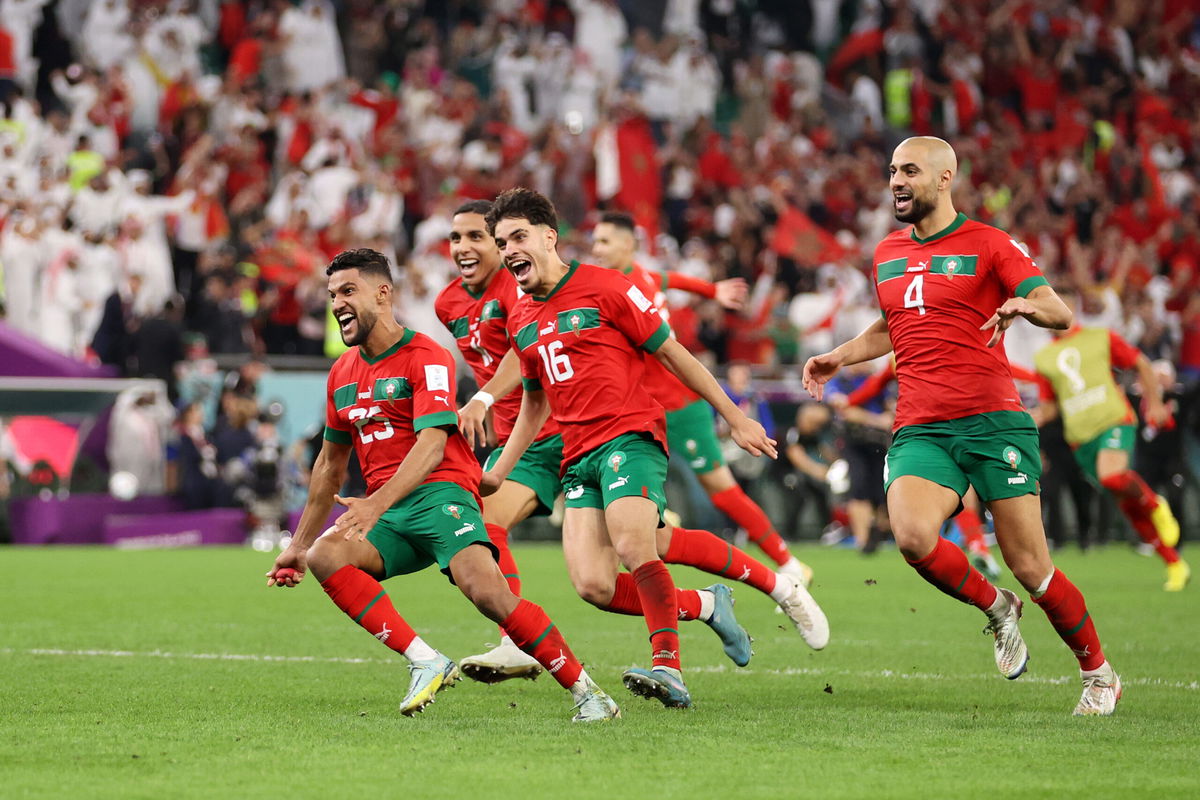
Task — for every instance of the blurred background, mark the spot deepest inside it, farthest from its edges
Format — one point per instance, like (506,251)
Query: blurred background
(174,176)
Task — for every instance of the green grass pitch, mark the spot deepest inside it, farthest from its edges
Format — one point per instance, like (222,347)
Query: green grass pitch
(178,674)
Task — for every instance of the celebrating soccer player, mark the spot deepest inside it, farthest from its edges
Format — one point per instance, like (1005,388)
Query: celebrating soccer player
(948,288)
(579,332)
(1075,380)
(391,398)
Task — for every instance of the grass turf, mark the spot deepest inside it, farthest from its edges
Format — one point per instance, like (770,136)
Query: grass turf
(156,673)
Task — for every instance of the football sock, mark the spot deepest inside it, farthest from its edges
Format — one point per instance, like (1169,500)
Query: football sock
(627,600)
(947,568)
(710,553)
(1137,502)
(972,530)
(661,609)
(365,601)
(508,565)
(1064,605)
(532,631)
(738,506)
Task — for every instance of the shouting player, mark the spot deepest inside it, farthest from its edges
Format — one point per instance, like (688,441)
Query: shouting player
(390,398)
(690,430)
(580,332)
(1075,381)
(474,309)
(948,288)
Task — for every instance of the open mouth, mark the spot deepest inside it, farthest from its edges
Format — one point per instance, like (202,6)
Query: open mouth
(468,267)
(520,268)
(902,201)
(346,321)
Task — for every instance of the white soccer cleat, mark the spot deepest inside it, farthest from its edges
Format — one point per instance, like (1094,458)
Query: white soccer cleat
(1012,656)
(594,705)
(804,613)
(1101,691)
(427,679)
(501,663)
(798,569)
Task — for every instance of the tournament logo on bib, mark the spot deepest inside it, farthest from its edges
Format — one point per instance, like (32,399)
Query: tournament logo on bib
(452,510)
(1012,456)
(616,460)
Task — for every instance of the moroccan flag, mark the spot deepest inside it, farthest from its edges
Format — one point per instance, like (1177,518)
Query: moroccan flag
(627,171)
(799,238)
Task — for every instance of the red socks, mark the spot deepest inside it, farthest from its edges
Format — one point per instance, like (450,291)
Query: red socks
(948,569)
(710,553)
(1137,502)
(532,631)
(365,601)
(972,530)
(738,506)
(661,609)
(1064,605)
(626,600)
(508,564)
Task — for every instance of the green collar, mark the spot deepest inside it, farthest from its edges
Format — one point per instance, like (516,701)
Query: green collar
(559,285)
(404,339)
(946,231)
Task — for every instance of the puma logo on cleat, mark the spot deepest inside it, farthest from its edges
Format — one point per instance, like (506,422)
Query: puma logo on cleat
(619,482)
(383,635)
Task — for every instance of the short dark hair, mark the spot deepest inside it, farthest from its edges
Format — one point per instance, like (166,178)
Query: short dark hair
(365,260)
(481,207)
(619,219)
(522,203)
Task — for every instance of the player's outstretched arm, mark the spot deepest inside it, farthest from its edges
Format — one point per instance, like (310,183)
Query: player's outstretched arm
(872,343)
(535,410)
(363,512)
(471,415)
(328,473)
(1157,412)
(1042,307)
(748,434)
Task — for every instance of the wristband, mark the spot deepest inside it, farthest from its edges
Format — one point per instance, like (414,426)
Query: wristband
(484,397)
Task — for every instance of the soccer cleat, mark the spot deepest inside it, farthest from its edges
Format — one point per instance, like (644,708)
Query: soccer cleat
(983,561)
(1165,523)
(500,664)
(805,614)
(1178,575)
(798,569)
(1101,691)
(1012,656)
(658,683)
(594,705)
(428,678)
(733,636)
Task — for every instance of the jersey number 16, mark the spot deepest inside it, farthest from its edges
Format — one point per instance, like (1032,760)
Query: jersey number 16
(557,364)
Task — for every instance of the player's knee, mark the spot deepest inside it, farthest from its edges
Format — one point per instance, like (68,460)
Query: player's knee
(1029,569)
(914,538)
(593,589)
(326,557)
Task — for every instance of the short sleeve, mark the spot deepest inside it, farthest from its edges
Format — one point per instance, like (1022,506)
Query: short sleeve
(1014,266)
(336,430)
(433,388)
(632,313)
(1124,355)
(1045,389)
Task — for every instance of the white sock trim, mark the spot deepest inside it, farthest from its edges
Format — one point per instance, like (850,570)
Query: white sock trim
(1044,585)
(708,604)
(783,587)
(417,650)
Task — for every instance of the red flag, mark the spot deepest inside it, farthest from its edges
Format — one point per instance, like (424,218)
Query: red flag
(799,238)
(641,185)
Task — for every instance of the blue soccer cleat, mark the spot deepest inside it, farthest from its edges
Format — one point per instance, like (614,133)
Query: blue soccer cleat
(733,636)
(662,684)
(428,678)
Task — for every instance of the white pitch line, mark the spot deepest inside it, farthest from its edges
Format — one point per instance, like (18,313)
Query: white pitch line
(720,669)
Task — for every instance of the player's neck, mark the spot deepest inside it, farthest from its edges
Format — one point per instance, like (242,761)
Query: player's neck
(558,270)
(383,336)
(937,221)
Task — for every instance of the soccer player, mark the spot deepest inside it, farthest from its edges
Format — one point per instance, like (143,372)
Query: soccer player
(580,332)
(690,431)
(948,288)
(1075,380)
(474,309)
(390,398)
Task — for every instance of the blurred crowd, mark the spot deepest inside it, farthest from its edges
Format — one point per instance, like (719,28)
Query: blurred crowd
(174,174)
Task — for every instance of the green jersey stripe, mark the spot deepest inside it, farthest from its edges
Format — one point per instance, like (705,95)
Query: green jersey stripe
(391,389)
(337,437)
(345,396)
(953,265)
(459,327)
(1029,284)
(890,269)
(575,320)
(527,336)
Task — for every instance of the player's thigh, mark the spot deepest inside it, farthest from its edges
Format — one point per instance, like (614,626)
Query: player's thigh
(1113,451)
(1022,538)
(1111,462)
(717,480)
(592,562)
(510,504)
(691,435)
(536,473)
(916,509)
(332,551)
(632,522)
(474,571)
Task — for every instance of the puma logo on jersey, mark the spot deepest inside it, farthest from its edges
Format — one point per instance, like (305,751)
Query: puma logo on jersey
(364,395)
(441,399)
(548,329)
(920,268)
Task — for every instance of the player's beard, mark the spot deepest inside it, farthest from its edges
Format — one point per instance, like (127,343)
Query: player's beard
(922,206)
(364,322)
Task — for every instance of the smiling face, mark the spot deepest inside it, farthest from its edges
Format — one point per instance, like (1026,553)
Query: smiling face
(357,301)
(922,171)
(528,253)
(474,250)
(612,246)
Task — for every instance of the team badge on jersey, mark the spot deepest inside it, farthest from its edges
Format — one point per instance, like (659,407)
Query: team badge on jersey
(616,460)
(452,510)
(1013,456)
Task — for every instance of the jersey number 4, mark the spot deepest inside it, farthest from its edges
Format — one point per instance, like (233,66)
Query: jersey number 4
(557,364)
(914,295)
(361,416)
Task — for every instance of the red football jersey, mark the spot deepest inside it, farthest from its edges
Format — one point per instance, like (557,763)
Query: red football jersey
(662,384)
(477,322)
(935,293)
(583,345)
(380,404)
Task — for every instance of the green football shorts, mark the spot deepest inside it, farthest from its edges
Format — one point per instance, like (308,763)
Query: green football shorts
(537,469)
(431,525)
(997,453)
(631,465)
(692,437)
(1122,437)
